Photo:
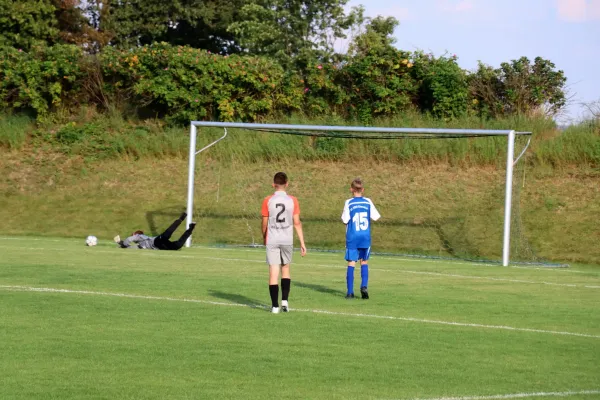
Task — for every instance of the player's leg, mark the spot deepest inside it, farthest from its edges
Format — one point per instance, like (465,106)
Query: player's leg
(286,278)
(351,257)
(364,272)
(171,229)
(179,244)
(274,261)
(286,283)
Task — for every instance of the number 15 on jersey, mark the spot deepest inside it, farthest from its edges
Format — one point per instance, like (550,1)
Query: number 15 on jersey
(361,221)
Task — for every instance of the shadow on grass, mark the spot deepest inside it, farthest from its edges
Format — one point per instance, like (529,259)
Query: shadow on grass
(238,299)
(319,288)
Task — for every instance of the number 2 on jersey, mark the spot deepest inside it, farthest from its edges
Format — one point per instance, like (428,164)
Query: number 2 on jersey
(277,217)
(361,221)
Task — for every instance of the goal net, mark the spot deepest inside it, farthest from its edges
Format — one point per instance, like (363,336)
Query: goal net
(441,192)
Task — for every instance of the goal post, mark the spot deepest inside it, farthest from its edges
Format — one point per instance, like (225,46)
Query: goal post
(360,132)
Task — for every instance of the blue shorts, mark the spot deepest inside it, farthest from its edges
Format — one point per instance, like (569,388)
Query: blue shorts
(358,254)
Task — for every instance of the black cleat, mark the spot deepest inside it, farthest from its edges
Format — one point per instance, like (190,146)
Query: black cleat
(182,216)
(350,296)
(192,226)
(364,293)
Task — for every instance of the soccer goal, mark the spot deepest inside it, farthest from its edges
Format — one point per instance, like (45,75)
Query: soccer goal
(432,209)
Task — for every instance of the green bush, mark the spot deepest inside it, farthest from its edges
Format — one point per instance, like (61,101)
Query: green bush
(324,95)
(443,87)
(25,23)
(518,87)
(186,84)
(379,84)
(42,79)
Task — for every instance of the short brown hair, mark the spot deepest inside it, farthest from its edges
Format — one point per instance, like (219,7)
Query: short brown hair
(280,178)
(357,185)
(138,233)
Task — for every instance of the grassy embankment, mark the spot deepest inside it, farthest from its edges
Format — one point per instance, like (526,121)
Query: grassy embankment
(103,175)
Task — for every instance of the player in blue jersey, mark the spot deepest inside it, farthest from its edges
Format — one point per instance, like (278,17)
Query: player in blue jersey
(357,215)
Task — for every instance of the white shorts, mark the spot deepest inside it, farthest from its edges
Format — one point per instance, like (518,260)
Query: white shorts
(279,254)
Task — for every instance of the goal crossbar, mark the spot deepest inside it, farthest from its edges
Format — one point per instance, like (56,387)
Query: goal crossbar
(395,133)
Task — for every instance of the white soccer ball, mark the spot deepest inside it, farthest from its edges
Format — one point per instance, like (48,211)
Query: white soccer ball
(91,240)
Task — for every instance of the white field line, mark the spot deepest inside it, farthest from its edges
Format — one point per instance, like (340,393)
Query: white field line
(27,239)
(170,255)
(518,395)
(336,313)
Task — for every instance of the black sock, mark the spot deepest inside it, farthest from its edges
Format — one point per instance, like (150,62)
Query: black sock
(274,291)
(285,288)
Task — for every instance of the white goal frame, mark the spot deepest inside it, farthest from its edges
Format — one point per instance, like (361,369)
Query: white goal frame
(510,155)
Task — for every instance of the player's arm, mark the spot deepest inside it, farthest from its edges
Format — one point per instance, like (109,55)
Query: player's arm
(298,227)
(131,239)
(346,213)
(119,242)
(265,225)
(374,213)
(265,219)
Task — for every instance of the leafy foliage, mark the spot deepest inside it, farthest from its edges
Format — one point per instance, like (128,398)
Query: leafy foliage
(41,79)
(518,87)
(377,75)
(78,22)
(294,32)
(186,84)
(443,85)
(25,23)
(148,56)
(198,23)
(324,94)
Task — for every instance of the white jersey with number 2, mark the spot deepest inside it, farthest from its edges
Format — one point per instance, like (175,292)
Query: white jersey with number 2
(280,208)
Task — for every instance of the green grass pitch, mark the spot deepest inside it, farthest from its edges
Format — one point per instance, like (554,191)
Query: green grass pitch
(107,323)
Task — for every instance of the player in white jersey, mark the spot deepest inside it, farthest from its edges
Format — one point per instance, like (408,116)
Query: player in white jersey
(280,215)
(357,215)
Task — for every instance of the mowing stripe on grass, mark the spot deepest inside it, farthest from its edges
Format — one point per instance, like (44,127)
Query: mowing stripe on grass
(517,395)
(493,279)
(316,253)
(341,266)
(336,313)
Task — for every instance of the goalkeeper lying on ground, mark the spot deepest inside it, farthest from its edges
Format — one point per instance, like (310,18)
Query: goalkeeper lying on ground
(160,242)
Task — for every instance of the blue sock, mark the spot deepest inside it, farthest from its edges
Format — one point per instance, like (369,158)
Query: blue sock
(350,279)
(364,275)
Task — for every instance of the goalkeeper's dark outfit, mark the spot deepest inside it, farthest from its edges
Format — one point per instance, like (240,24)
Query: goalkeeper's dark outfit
(160,242)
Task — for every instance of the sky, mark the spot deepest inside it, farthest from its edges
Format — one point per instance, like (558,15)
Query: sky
(566,32)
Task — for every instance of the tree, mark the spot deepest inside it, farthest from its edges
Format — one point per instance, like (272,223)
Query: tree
(376,39)
(25,23)
(443,85)
(295,32)
(376,74)
(76,23)
(198,23)
(518,87)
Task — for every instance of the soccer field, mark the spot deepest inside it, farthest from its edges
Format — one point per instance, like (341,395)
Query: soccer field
(108,323)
